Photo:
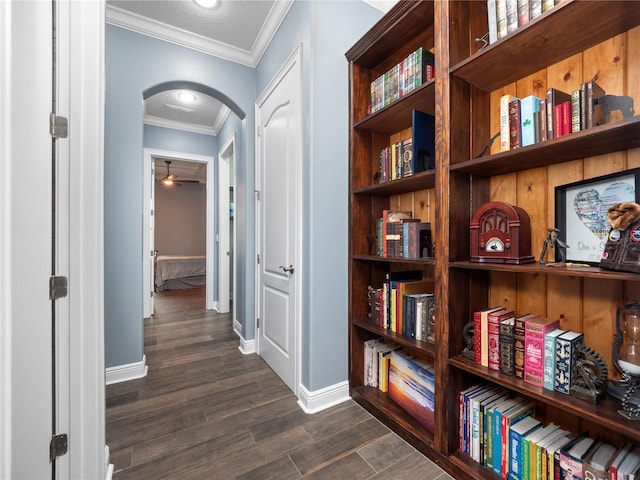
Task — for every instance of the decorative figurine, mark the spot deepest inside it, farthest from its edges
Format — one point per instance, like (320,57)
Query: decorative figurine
(553,242)
(592,375)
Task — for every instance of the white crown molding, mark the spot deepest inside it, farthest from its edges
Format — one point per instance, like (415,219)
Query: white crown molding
(152,28)
(186,127)
(383,5)
(269,28)
(222,116)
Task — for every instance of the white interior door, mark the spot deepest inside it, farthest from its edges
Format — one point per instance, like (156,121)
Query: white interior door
(279,143)
(148,233)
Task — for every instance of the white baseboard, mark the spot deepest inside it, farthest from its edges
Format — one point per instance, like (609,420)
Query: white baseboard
(108,467)
(246,346)
(314,402)
(130,371)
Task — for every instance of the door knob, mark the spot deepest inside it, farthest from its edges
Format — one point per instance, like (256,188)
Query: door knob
(287,269)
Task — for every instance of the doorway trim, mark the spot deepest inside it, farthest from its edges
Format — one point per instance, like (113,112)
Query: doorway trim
(226,181)
(149,155)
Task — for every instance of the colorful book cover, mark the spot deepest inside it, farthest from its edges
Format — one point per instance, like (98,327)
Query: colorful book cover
(534,449)
(517,431)
(518,344)
(493,329)
(515,129)
(411,386)
(566,351)
(528,107)
(487,408)
(501,17)
(477,334)
(534,332)
(550,357)
(554,97)
(463,423)
(576,114)
(508,418)
(571,457)
(505,135)
(595,115)
(506,346)
(496,438)
(492,20)
(412,235)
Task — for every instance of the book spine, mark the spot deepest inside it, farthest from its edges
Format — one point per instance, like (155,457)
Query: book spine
(504,122)
(477,338)
(493,340)
(518,348)
(566,362)
(566,117)
(535,9)
(492,20)
(526,460)
(557,121)
(576,103)
(514,454)
(533,356)
(418,68)
(549,362)
(514,124)
(528,107)
(506,348)
(512,16)
(523,12)
(501,18)
(543,120)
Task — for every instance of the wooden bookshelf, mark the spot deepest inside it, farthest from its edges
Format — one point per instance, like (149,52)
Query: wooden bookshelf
(574,41)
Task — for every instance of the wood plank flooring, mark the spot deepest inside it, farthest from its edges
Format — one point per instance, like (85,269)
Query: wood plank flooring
(206,411)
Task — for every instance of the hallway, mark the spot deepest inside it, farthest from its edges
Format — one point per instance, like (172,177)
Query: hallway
(206,411)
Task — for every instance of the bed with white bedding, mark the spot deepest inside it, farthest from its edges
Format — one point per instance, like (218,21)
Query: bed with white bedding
(176,272)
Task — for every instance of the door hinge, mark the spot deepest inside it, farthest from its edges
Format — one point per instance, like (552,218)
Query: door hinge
(259,131)
(257,323)
(58,126)
(257,194)
(58,446)
(258,259)
(57,287)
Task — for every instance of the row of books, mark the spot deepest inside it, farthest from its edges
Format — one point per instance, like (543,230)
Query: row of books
(414,70)
(411,155)
(399,235)
(530,347)
(409,381)
(500,432)
(532,119)
(404,307)
(506,16)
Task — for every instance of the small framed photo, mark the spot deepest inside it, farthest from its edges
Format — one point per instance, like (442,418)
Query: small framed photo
(581,213)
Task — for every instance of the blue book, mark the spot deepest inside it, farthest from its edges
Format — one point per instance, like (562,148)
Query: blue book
(423,146)
(550,358)
(489,427)
(516,433)
(528,107)
(497,432)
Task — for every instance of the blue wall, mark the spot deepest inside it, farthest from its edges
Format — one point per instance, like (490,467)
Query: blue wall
(326,31)
(180,141)
(135,63)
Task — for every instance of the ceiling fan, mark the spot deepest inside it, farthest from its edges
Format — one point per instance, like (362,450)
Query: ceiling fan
(170,179)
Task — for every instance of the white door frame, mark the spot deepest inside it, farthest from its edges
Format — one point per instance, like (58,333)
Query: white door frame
(294,61)
(20,32)
(225,172)
(149,154)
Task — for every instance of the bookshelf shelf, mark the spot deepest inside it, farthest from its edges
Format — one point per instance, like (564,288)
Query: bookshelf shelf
(408,261)
(424,346)
(418,181)
(605,413)
(535,268)
(568,28)
(397,116)
(600,140)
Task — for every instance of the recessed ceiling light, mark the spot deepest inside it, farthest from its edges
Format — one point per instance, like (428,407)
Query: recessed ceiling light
(207,3)
(187,97)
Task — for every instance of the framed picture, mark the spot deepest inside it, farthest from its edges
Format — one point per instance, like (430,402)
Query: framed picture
(581,213)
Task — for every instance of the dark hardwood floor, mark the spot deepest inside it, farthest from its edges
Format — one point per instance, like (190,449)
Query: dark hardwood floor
(206,411)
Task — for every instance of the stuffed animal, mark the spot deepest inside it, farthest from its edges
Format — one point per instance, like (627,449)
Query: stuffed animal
(622,251)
